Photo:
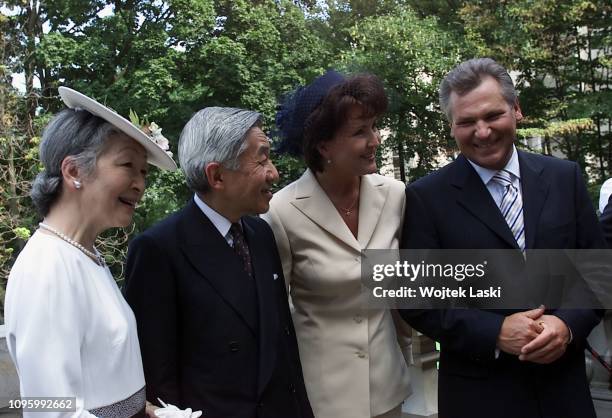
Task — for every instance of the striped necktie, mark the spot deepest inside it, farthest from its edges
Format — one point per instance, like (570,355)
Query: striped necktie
(511,207)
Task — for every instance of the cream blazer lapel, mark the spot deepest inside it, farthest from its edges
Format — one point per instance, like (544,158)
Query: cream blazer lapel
(313,202)
(372,196)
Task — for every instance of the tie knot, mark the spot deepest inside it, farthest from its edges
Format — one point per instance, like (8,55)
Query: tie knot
(503,178)
(237,233)
(236,228)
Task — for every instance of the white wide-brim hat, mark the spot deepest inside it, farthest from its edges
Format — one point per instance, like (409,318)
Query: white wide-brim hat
(155,154)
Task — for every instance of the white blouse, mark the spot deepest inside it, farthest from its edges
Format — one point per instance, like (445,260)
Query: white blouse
(70,332)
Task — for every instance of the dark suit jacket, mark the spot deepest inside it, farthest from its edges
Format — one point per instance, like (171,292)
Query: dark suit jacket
(606,222)
(452,209)
(211,337)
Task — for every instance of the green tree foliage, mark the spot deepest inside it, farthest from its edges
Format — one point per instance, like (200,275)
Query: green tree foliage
(560,51)
(411,55)
(257,51)
(18,157)
(167,59)
(336,19)
(18,154)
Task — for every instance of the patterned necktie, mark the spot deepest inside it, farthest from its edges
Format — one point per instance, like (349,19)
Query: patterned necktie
(241,248)
(511,207)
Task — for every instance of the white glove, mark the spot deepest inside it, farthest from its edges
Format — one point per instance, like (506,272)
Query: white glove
(171,411)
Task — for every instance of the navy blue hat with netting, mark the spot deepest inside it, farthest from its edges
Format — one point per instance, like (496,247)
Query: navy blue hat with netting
(297,106)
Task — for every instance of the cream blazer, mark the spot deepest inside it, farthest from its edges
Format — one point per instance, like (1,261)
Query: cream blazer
(353,364)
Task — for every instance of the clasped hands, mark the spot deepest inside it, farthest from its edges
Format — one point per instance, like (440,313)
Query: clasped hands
(533,336)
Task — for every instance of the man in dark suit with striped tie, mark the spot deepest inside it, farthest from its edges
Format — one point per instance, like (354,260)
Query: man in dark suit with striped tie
(206,284)
(494,363)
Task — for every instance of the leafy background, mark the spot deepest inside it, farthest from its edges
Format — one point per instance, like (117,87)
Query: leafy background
(168,59)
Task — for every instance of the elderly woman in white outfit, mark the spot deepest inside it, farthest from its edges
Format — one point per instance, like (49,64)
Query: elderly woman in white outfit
(70,333)
(351,355)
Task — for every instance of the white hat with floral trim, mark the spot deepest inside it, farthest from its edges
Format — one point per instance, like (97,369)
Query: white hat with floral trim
(157,151)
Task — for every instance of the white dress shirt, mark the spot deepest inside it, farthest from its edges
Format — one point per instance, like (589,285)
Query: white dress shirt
(604,194)
(496,189)
(220,222)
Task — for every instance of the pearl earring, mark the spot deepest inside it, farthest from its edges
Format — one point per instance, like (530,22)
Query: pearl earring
(328,161)
(77,184)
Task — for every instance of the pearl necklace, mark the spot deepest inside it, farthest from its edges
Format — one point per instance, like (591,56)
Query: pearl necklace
(95,256)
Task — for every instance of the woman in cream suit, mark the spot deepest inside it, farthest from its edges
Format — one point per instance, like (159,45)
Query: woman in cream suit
(353,364)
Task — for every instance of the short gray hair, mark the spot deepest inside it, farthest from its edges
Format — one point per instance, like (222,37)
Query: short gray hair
(468,75)
(72,132)
(214,134)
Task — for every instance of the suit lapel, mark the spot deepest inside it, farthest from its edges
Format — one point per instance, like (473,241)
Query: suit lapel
(476,199)
(216,261)
(268,318)
(535,190)
(372,197)
(311,200)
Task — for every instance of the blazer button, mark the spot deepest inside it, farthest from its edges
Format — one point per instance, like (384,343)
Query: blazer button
(361,354)
(234,346)
(260,405)
(291,388)
(287,331)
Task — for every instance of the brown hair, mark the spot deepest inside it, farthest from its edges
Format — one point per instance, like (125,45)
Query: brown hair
(322,124)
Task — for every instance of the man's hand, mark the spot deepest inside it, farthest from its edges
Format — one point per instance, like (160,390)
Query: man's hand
(550,344)
(519,329)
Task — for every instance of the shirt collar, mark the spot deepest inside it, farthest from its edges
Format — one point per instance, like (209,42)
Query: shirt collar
(219,221)
(512,166)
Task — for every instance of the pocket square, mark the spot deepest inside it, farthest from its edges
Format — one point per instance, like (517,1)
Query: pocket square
(275,276)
